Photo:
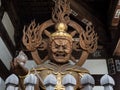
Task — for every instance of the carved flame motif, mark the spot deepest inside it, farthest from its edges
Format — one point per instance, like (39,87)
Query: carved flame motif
(88,39)
(61,11)
(33,40)
(31,37)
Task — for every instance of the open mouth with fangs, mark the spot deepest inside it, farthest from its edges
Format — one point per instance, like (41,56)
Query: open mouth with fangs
(60,55)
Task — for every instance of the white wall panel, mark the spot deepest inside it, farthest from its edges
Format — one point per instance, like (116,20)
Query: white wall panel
(5,55)
(98,88)
(30,64)
(8,26)
(2,84)
(96,66)
(0,3)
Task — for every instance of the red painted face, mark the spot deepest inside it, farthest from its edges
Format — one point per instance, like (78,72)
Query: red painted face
(61,50)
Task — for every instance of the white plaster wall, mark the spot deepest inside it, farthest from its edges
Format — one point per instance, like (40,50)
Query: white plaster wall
(98,88)
(2,84)
(5,55)
(0,3)
(96,66)
(8,26)
(30,64)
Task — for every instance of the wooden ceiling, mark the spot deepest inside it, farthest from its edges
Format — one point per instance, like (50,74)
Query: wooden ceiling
(99,12)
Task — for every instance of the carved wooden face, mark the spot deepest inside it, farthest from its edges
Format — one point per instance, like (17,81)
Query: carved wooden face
(61,50)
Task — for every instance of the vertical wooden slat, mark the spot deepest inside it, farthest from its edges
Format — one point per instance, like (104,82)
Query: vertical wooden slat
(4,72)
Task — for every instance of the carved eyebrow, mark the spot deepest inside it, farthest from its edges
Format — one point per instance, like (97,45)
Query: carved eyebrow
(60,42)
(64,42)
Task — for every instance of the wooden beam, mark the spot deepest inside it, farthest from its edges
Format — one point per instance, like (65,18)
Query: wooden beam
(97,79)
(117,81)
(4,35)
(10,9)
(117,49)
(1,12)
(4,72)
(83,14)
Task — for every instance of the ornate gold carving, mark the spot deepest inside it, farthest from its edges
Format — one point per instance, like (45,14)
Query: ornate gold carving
(59,85)
(41,69)
(61,31)
(77,70)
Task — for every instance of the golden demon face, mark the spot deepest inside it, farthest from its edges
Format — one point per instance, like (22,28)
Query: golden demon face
(61,50)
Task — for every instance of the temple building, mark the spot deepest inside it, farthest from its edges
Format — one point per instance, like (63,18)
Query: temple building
(88,31)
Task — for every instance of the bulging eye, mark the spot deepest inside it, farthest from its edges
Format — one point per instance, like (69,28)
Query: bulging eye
(56,46)
(64,47)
